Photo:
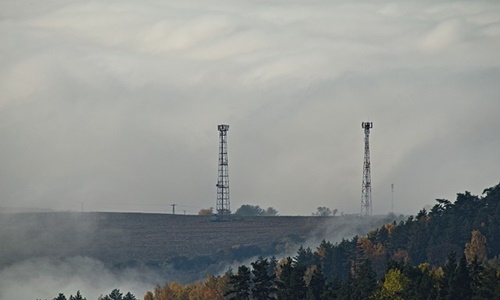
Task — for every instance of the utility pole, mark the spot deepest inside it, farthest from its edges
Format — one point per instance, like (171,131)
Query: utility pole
(173,208)
(366,187)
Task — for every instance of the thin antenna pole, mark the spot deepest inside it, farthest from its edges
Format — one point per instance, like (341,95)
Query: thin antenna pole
(392,198)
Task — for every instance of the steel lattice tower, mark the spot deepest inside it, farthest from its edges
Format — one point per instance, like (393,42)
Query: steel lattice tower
(366,188)
(222,207)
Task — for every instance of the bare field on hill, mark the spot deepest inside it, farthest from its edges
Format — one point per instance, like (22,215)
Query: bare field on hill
(124,238)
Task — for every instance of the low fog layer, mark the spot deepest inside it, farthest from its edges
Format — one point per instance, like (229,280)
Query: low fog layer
(113,106)
(43,254)
(45,278)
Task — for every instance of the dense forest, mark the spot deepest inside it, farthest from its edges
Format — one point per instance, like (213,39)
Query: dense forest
(449,252)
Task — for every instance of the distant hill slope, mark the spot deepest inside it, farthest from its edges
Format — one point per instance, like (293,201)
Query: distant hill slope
(135,238)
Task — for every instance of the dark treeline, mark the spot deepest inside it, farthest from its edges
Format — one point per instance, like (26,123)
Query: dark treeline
(449,252)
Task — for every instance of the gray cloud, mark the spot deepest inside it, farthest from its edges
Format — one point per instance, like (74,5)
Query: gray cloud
(115,105)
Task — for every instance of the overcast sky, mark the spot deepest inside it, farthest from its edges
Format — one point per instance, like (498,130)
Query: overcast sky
(114,105)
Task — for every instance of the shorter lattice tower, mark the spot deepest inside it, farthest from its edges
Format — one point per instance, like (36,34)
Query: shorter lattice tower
(223,203)
(366,188)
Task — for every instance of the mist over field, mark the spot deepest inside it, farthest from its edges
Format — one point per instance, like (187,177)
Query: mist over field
(43,254)
(45,278)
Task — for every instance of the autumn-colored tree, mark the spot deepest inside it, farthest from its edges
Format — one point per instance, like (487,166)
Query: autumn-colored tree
(376,253)
(149,296)
(212,288)
(401,255)
(170,291)
(206,211)
(476,249)
(395,282)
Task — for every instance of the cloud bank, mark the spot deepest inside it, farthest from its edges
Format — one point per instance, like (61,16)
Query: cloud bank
(113,106)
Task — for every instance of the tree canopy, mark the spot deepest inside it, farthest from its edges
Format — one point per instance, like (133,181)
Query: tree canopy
(255,210)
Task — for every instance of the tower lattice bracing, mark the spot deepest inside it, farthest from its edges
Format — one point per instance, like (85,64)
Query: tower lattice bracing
(366,189)
(222,207)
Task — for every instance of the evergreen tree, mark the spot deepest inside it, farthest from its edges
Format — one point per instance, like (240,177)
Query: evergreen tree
(316,288)
(78,296)
(364,283)
(346,290)
(332,289)
(422,285)
(273,262)
(129,296)
(263,282)
(305,257)
(460,282)
(486,285)
(240,284)
(448,273)
(114,295)
(60,297)
(291,284)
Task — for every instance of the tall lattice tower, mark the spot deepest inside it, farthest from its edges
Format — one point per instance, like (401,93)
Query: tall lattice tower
(222,207)
(366,188)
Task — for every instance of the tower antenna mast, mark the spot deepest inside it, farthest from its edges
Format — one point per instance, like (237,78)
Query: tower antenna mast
(392,197)
(223,203)
(366,187)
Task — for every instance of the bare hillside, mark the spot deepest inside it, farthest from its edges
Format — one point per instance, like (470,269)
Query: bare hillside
(128,238)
